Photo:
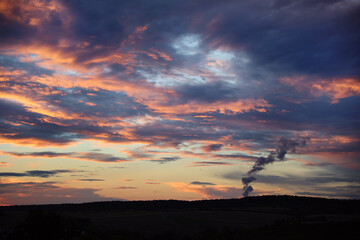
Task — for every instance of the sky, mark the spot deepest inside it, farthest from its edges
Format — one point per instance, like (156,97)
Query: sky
(202,99)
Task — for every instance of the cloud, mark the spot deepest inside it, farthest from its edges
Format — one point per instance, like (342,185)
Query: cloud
(99,157)
(151,182)
(125,188)
(335,89)
(4,164)
(166,160)
(47,154)
(20,125)
(296,52)
(217,191)
(241,156)
(212,147)
(348,191)
(208,164)
(35,173)
(15,67)
(89,156)
(320,164)
(295,180)
(91,180)
(190,77)
(208,92)
(26,193)
(202,183)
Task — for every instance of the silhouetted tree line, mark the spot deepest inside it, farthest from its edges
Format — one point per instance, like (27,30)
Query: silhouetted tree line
(278,203)
(46,222)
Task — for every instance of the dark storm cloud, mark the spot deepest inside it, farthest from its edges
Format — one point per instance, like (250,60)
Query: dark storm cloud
(208,92)
(83,101)
(100,103)
(35,173)
(296,37)
(106,26)
(12,30)
(317,115)
(172,132)
(31,127)
(341,118)
(352,146)
(109,23)
(317,38)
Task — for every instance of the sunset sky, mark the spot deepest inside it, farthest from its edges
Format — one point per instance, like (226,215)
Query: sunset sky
(142,100)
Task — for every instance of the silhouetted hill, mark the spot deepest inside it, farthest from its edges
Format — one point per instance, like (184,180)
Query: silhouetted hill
(245,218)
(271,203)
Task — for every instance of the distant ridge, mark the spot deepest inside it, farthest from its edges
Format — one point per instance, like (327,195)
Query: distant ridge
(252,218)
(271,203)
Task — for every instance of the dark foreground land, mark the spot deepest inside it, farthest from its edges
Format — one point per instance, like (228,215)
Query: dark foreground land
(266,217)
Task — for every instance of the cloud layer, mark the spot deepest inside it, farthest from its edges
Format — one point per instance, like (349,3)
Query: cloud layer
(181,83)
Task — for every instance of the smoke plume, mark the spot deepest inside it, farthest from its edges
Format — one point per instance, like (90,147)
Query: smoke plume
(284,146)
(247,188)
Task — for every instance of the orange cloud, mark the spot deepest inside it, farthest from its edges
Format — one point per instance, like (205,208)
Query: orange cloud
(33,141)
(25,193)
(217,191)
(31,12)
(136,35)
(336,88)
(239,106)
(161,54)
(4,164)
